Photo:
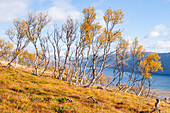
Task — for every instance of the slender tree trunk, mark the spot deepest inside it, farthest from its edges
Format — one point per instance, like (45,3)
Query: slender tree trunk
(141,88)
(129,87)
(149,90)
(16,61)
(65,62)
(46,66)
(9,64)
(140,91)
(84,68)
(55,57)
(14,58)
(91,82)
(111,82)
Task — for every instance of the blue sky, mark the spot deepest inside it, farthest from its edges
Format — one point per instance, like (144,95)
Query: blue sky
(149,20)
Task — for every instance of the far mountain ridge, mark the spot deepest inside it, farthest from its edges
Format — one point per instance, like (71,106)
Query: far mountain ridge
(165,60)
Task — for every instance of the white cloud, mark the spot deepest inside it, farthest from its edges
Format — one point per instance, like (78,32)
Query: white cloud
(158,31)
(163,44)
(159,46)
(159,27)
(154,34)
(99,17)
(62,9)
(9,9)
(59,9)
(130,39)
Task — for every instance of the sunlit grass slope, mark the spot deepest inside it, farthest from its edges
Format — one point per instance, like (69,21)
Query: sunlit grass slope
(22,92)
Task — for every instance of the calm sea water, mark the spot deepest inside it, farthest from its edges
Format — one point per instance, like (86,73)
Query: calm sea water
(162,82)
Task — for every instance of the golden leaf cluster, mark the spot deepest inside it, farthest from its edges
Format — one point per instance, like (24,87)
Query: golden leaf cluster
(150,64)
(91,30)
(88,27)
(115,17)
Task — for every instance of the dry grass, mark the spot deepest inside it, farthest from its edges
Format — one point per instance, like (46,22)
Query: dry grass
(22,92)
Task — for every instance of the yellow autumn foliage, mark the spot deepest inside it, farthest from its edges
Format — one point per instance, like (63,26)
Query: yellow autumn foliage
(150,64)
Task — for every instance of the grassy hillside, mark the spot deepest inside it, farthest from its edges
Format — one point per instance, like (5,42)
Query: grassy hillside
(22,92)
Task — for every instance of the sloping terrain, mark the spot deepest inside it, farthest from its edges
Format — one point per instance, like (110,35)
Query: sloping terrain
(22,92)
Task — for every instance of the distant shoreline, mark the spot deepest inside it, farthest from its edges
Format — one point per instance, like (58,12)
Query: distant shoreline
(154,73)
(160,74)
(163,93)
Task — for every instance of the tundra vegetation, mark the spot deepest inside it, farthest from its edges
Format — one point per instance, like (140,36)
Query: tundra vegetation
(88,46)
(22,92)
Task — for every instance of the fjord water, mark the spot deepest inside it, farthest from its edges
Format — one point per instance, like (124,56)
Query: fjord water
(162,81)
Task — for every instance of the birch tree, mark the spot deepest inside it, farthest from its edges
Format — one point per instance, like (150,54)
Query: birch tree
(137,54)
(36,23)
(102,42)
(69,30)
(148,65)
(18,36)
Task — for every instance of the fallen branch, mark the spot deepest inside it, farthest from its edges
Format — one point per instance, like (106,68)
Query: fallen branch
(93,99)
